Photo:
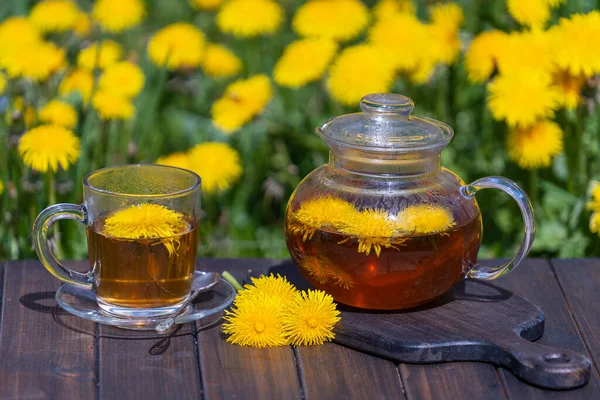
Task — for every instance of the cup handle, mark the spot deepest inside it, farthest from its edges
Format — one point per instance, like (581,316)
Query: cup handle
(40,240)
(510,187)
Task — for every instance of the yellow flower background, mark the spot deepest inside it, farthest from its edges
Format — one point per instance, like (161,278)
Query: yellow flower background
(233,90)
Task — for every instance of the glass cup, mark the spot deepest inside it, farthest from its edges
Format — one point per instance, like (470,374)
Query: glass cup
(141,223)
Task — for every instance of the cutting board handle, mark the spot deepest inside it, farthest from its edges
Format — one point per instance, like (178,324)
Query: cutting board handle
(544,366)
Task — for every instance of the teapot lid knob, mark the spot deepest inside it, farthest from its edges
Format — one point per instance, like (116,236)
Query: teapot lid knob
(387,103)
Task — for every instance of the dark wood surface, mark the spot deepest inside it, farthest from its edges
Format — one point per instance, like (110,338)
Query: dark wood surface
(47,353)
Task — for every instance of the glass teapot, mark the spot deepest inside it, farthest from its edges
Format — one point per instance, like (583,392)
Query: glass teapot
(383,225)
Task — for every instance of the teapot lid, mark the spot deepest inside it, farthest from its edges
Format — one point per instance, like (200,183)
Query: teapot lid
(386,124)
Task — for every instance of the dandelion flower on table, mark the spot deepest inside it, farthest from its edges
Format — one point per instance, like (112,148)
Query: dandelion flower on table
(522,98)
(179,46)
(256,323)
(569,87)
(36,62)
(118,15)
(82,25)
(425,218)
(310,318)
(482,55)
(123,78)
(78,81)
(339,20)
(242,101)
(386,8)
(374,229)
(535,146)
(179,159)
(250,18)
(109,53)
(220,62)
(206,4)
(304,61)
(275,286)
(321,212)
(218,164)
(58,113)
(54,15)
(357,71)
(577,44)
(48,147)
(110,106)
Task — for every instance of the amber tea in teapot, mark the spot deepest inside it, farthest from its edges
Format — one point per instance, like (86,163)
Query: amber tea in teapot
(383,225)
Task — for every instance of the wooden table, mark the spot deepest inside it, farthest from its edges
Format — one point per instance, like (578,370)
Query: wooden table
(47,353)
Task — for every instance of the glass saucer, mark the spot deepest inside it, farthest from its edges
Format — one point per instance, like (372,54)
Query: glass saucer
(82,303)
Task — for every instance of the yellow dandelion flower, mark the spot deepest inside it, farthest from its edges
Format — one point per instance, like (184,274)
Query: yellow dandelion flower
(569,87)
(180,160)
(310,319)
(54,15)
(533,147)
(112,106)
(304,61)
(220,62)
(528,50)
(318,267)
(78,81)
(206,4)
(179,45)
(341,278)
(2,83)
(123,78)
(534,13)
(374,229)
(36,62)
(483,53)
(595,222)
(110,53)
(277,287)
(386,8)
(594,204)
(250,18)
(404,51)
(118,15)
(256,323)
(522,98)
(242,101)
(444,29)
(359,70)
(339,20)
(48,147)
(322,212)
(576,44)
(18,32)
(1,187)
(218,165)
(59,113)
(82,25)
(425,218)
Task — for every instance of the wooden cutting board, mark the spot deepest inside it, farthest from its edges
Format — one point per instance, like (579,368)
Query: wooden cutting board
(476,321)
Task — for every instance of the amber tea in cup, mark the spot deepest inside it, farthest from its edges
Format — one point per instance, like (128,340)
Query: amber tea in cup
(141,223)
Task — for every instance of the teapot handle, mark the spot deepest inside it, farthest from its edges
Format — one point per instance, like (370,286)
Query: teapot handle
(510,187)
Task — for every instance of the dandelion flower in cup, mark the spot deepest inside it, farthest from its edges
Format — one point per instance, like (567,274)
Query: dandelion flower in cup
(36,62)
(58,113)
(118,15)
(322,212)
(256,323)
(339,20)
(310,318)
(360,70)
(250,18)
(208,5)
(304,61)
(112,106)
(318,267)
(425,218)
(577,44)
(569,87)
(242,101)
(123,78)
(179,159)
(522,98)
(220,62)
(277,287)
(54,15)
(110,53)
(385,8)
(48,147)
(179,46)
(373,229)
(82,25)
(218,165)
(533,147)
(483,54)
(78,81)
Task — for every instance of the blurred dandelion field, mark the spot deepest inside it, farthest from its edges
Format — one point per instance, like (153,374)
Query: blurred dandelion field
(233,90)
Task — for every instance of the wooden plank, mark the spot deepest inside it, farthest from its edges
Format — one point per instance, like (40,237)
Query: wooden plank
(230,371)
(580,281)
(535,281)
(44,352)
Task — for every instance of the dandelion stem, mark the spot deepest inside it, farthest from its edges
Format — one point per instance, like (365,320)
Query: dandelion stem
(51,184)
(533,186)
(229,278)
